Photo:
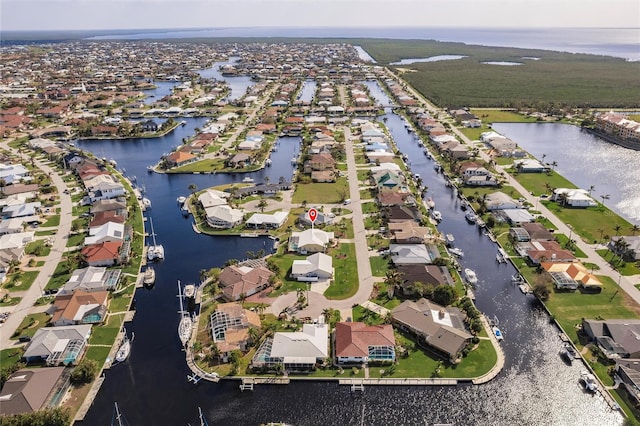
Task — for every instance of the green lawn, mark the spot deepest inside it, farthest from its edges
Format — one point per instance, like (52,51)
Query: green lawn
(37,248)
(76,240)
(52,221)
(10,301)
(363,175)
(345,282)
(11,356)
(342,229)
(370,207)
(21,280)
(367,194)
(119,303)
(106,334)
(537,182)
(30,324)
(379,266)
(46,233)
(626,269)
(98,354)
(322,193)
(372,222)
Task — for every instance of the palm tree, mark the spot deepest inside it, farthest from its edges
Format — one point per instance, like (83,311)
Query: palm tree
(634,229)
(393,280)
(543,157)
(262,204)
(605,197)
(554,164)
(591,189)
(193,188)
(267,180)
(601,231)
(617,229)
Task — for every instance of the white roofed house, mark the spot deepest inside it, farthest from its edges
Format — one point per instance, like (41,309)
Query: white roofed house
(110,231)
(318,266)
(529,165)
(500,201)
(12,173)
(573,197)
(58,345)
(212,198)
(103,187)
(21,210)
(310,241)
(92,278)
(224,217)
(294,351)
(272,221)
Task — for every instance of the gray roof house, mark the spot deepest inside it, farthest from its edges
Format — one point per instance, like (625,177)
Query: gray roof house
(405,254)
(58,345)
(30,389)
(618,338)
(92,278)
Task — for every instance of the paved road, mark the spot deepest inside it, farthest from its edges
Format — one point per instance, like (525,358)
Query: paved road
(58,249)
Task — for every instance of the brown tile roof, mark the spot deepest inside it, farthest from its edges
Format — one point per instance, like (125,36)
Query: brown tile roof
(101,218)
(67,306)
(108,250)
(354,338)
(237,280)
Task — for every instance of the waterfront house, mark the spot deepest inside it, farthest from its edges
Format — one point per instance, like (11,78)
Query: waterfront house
(404,254)
(230,324)
(573,197)
(320,162)
(212,198)
(32,389)
(440,328)
(238,281)
(79,307)
(106,253)
(267,221)
(310,241)
(321,219)
(514,216)
(618,338)
(110,231)
(358,343)
(149,126)
(537,232)
(429,275)
(58,345)
(499,201)
(101,218)
(316,267)
(119,207)
(544,251)
(409,232)
(401,214)
(239,160)
(294,351)
(179,158)
(570,275)
(529,165)
(224,217)
(92,278)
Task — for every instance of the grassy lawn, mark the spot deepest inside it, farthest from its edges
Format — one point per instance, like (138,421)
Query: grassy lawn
(119,303)
(98,354)
(284,262)
(342,229)
(76,240)
(345,283)
(537,182)
(370,207)
(106,334)
(11,356)
(10,301)
(379,266)
(376,242)
(52,221)
(30,324)
(202,166)
(37,248)
(322,193)
(363,175)
(372,222)
(569,308)
(21,280)
(367,194)
(46,233)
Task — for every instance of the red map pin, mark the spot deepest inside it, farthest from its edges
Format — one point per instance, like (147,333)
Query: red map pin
(313,214)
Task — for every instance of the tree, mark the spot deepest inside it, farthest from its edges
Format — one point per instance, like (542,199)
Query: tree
(267,180)
(605,197)
(444,295)
(591,189)
(617,228)
(84,372)
(193,188)
(262,204)
(541,290)
(634,229)
(393,280)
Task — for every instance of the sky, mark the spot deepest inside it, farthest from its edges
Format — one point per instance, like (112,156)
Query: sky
(138,14)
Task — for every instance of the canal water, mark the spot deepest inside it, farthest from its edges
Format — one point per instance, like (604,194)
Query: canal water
(585,160)
(535,388)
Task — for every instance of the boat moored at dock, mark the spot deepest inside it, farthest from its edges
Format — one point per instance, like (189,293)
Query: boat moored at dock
(470,276)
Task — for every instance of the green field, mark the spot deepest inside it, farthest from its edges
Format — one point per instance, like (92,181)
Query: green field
(379,266)
(345,282)
(20,281)
(322,193)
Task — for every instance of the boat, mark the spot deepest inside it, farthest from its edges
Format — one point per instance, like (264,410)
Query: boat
(502,255)
(463,205)
(183,122)
(497,333)
(437,216)
(189,291)
(186,323)
(149,169)
(568,352)
(181,199)
(517,278)
(268,162)
(155,251)
(430,203)
(471,217)
(185,210)
(124,350)
(294,160)
(589,381)
(470,275)
(149,277)
(247,180)
(481,223)
(450,239)
(456,252)
(146,203)
(249,235)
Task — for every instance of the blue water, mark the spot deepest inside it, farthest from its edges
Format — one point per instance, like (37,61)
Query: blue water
(618,42)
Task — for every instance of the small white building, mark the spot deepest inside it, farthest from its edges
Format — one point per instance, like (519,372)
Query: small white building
(574,197)
(310,241)
(273,221)
(318,266)
(224,217)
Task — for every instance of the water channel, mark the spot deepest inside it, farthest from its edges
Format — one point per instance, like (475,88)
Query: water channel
(535,388)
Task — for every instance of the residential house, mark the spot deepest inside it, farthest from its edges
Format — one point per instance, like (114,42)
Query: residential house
(310,241)
(12,173)
(119,207)
(224,217)
(58,345)
(110,231)
(212,198)
(32,389)
(79,307)
(544,251)
(499,200)
(21,210)
(316,267)
(149,126)
(515,216)
(570,275)
(618,338)
(323,176)
(239,281)
(429,275)
(404,254)
(92,278)
(16,240)
(409,232)
(529,165)
(239,160)
(104,217)
(106,253)
(267,221)
(402,214)
(179,158)
(294,351)
(358,343)
(321,219)
(573,197)
(537,232)
(441,328)
(230,324)
(320,162)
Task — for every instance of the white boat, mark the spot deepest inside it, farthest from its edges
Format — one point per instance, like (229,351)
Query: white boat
(456,252)
(430,203)
(463,205)
(189,291)
(294,160)
(481,223)
(589,381)
(146,203)
(185,326)
(183,122)
(497,333)
(149,169)
(181,199)
(517,278)
(450,239)
(155,251)
(437,216)
(124,350)
(268,162)
(471,217)
(502,255)
(568,352)
(149,277)
(247,180)
(470,275)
